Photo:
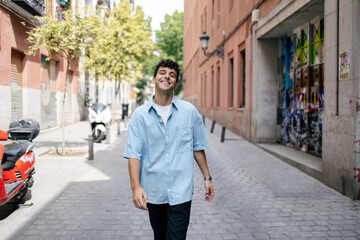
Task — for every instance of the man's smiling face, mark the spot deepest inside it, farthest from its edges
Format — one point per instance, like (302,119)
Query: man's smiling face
(165,80)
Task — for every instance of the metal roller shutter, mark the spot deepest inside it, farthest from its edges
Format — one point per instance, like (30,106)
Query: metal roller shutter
(16,84)
(68,100)
(48,93)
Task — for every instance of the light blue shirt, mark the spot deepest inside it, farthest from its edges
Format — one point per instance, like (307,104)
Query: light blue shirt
(166,152)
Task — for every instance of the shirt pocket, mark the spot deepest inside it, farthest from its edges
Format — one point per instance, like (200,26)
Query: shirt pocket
(184,138)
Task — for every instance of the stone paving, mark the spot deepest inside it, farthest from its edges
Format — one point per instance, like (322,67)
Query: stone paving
(257,196)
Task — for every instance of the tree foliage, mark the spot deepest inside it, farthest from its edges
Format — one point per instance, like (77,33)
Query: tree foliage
(142,94)
(65,37)
(170,40)
(148,65)
(123,40)
(169,44)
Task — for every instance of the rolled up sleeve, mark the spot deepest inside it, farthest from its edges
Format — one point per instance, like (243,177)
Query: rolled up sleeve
(199,135)
(133,142)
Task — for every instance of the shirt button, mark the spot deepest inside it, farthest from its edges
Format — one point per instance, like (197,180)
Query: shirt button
(167,155)
(166,137)
(168,190)
(167,172)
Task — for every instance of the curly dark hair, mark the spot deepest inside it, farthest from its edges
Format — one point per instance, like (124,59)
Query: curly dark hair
(168,63)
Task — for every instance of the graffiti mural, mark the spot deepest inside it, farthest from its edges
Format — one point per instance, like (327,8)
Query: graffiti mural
(357,179)
(301,89)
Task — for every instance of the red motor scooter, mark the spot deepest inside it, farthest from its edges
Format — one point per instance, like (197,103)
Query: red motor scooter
(17,160)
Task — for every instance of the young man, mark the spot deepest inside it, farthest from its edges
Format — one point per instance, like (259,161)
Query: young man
(164,136)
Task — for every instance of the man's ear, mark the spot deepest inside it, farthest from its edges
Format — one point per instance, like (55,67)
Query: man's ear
(153,79)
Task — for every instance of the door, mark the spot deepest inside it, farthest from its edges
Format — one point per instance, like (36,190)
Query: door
(16,84)
(48,93)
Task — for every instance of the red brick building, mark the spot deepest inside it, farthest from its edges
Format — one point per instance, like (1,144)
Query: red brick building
(218,85)
(286,80)
(31,87)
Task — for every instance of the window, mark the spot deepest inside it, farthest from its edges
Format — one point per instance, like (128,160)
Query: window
(204,90)
(218,13)
(218,87)
(231,87)
(202,24)
(213,87)
(242,79)
(49,8)
(205,20)
(212,17)
(231,5)
(196,26)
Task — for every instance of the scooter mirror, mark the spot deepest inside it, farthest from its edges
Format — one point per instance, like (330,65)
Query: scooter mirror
(3,136)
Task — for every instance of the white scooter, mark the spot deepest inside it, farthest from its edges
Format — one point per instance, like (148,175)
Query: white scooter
(99,117)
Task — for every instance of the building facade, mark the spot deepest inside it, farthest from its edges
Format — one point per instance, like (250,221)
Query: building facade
(94,90)
(30,86)
(289,77)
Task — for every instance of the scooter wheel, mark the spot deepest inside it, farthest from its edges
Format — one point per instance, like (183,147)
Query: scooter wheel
(99,136)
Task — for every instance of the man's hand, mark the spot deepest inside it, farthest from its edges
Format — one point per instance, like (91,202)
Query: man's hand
(138,192)
(209,194)
(138,196)
(200,159)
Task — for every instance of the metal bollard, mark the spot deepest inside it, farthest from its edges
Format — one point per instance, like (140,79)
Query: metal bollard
(223,134)
(212,126)
(118,126)
(107,135)
(91,148)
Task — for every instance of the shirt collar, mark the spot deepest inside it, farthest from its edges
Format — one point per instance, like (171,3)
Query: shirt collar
(174,102)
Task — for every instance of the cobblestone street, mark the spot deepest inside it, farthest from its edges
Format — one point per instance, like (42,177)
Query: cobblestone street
(257,196)
(276,83)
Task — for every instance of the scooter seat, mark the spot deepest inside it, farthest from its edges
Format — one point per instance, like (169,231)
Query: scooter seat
(12,149)
(10,155)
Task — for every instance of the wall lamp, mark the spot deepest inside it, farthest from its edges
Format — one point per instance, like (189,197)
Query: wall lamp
(204,40)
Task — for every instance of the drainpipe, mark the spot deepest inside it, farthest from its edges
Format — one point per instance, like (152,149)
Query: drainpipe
(254,19)
(337,56)
(356,195)
(351,58)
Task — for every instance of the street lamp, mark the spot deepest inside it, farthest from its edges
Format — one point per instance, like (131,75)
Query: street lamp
(204,40)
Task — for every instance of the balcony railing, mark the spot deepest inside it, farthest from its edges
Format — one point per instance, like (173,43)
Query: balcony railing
(61,6)
(34,7)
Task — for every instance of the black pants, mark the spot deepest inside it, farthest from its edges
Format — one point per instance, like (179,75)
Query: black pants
(169,222)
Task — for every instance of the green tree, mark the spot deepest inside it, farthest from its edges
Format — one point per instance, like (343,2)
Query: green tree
(123,41)
(170,40)
(148,65)
(67,38)
(141,95)
(147,72)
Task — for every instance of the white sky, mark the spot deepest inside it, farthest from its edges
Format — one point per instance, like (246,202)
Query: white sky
(157,9)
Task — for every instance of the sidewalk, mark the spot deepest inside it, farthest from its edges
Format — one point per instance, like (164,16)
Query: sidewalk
(257,196)
(76,138)
(54,173)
